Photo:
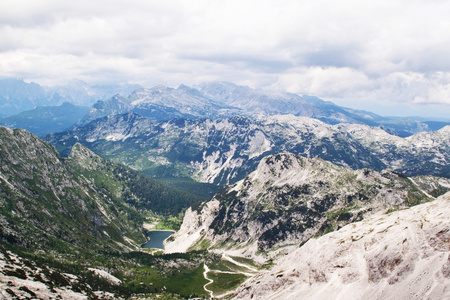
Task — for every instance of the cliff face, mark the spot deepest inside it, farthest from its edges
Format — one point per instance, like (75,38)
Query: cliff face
(402,255)
(289,199)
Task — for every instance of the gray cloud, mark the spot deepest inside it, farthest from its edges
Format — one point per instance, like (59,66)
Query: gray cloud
(334,56)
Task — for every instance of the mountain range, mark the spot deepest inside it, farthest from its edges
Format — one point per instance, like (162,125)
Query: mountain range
(222,151)
(247,240)
(208,100)
(223,99)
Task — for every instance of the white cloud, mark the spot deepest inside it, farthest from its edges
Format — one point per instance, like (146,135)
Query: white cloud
(328,82)
(436,91)
(385,50)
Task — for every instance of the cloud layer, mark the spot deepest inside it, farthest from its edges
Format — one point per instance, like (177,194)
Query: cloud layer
(384,52)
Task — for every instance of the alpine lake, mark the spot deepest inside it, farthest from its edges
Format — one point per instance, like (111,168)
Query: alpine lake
(157,238)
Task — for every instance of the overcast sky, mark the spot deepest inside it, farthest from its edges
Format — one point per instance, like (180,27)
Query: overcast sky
(391,57)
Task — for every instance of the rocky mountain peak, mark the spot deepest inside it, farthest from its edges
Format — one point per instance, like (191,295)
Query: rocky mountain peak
(84,157)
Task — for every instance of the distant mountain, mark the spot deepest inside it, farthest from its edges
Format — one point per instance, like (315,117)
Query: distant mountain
(222,99)
(225,150)
(436,125)
(17,96)
(288,199)
(162,103)
(208,100)
(81,93)
(45,119)
(254,101)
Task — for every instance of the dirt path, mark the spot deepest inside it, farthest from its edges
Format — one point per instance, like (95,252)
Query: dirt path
(205,274)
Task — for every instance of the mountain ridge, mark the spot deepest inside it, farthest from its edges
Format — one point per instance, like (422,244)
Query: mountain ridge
(222,151)
(43,120)
(224,99)
(40,187)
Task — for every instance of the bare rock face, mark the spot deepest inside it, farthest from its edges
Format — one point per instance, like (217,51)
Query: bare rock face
(290,199)
(401,255)
(195,224)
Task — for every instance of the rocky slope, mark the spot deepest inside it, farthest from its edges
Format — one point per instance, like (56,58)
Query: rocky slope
(83,200)
(25,278)
(225,150)
(46,199)
(401,255)
(289,199)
